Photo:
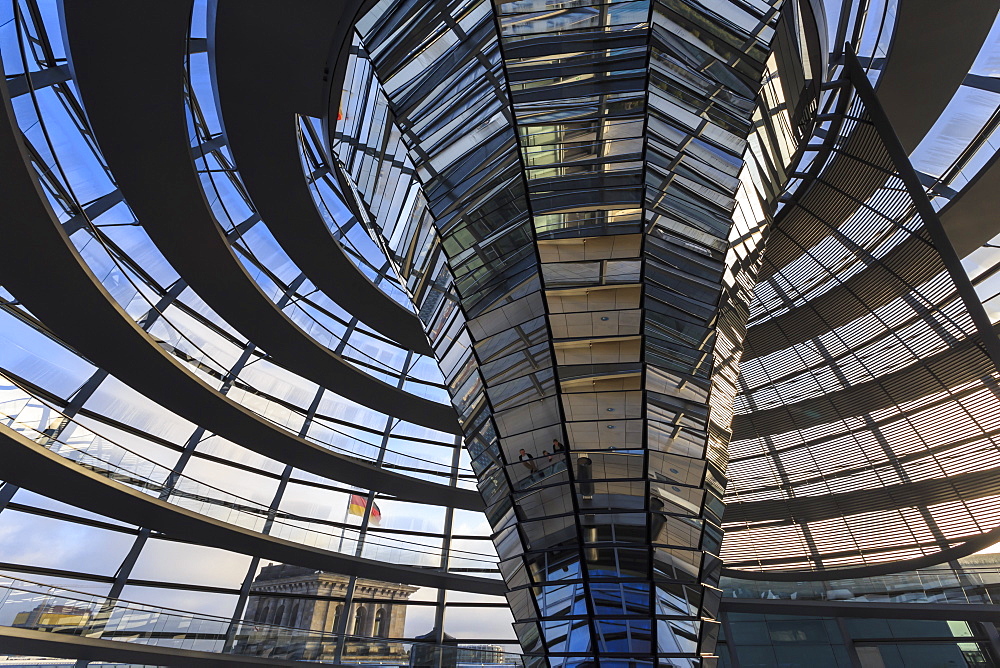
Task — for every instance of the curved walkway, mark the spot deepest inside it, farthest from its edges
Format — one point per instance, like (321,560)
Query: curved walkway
(922,493)
(144,137)
(930,56)
(963,549)
(931,53)
(57,286)
(963,363)
(26,642)
(966,219)
(970,219)
(268,66)
(32,466)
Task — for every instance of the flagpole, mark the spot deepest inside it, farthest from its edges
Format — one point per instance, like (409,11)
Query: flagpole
(343,526)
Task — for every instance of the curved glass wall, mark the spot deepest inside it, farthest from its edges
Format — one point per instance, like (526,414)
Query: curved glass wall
(145,446)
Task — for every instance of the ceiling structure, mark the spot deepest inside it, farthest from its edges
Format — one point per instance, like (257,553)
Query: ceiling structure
(637,292)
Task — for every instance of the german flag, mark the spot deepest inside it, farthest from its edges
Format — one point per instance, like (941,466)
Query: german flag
(357,504)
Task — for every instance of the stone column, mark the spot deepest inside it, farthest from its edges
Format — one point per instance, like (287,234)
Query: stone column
(369,627)
(321,610)
(397,620)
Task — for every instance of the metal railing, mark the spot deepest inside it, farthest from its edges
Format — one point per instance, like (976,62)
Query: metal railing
(46,425)
(933,585)
(40,607)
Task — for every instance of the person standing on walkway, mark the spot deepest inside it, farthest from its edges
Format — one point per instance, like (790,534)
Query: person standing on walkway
(528,461)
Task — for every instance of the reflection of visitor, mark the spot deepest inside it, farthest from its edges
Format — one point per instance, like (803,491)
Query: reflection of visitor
(556,445)
(545,453)
(528,462)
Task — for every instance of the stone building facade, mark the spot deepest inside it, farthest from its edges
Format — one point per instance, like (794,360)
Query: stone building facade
(282,596)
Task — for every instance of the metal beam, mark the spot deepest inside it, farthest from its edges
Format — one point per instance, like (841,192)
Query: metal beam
(170,202)
(27,642)
(58,287)
(35,467)
(930,56)
(24,83)
(297,64)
